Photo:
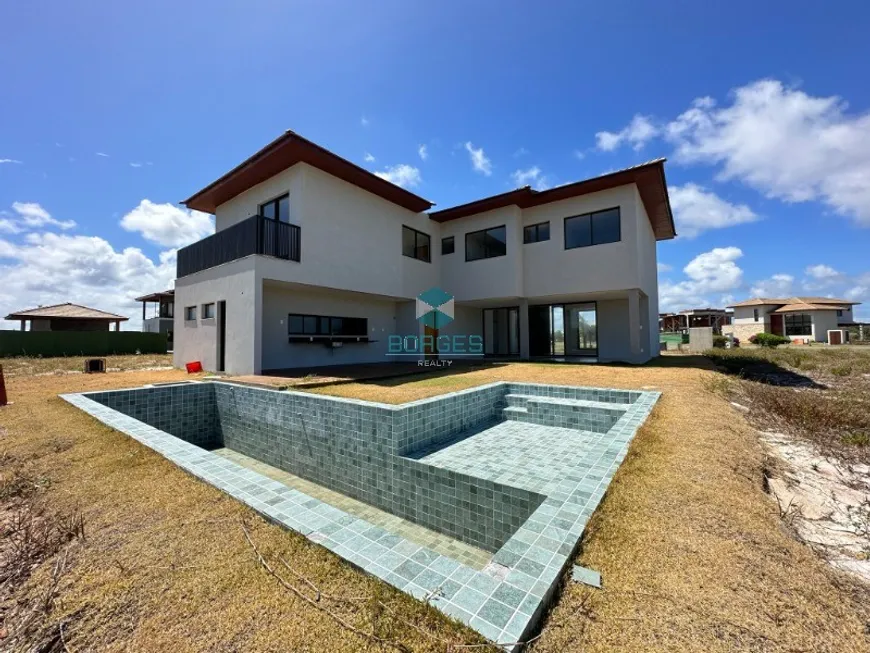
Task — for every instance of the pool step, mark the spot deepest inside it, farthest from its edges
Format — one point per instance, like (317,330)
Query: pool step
(567,413)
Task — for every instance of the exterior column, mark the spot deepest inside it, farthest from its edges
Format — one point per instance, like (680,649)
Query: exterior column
(258,323)
(634,322)
(524,328)
(143,312)
(23,323)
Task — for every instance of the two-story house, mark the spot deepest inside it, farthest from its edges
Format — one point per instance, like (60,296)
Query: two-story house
(316,261)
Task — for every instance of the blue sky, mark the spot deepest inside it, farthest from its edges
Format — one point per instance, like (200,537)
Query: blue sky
(114,112)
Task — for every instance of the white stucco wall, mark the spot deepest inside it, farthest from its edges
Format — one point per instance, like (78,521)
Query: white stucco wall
(822,322)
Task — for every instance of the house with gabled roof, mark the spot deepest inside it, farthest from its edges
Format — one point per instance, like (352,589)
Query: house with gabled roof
(807,319)
(67,317)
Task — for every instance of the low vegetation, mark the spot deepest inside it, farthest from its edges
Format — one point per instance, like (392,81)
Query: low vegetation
(33,365)
(770,340)
(820,394)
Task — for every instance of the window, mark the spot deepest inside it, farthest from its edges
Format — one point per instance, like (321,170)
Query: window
(487,243)
(415,244)
(208,311)
(327,326)
(277,209)
(839,312)
(755,314)
(190,313)
(798,325)
(448,245)
(596,228)
(536,233)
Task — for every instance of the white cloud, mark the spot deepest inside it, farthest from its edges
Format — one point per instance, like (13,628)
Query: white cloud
(697,209)
(103,154)
(640,130)
(478,159)
(711,272)
(53,268)
(9,161)
(9,226)
(779,285)
(423,152)
(822,272)
(530,177)
(664,267)
(135,165)
(368,158)
(364,121)
(31,215)
(168,225)
(402,175)
(785,143)
(579,155)
(521,152)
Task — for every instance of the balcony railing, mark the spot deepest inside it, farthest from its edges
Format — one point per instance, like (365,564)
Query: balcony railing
(254,235)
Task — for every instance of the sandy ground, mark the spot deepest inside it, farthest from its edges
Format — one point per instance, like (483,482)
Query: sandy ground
(693,553)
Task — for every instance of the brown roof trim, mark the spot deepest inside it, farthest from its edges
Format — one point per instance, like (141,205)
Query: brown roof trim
(649,178)
(782,301)
(289,149)
(156,296)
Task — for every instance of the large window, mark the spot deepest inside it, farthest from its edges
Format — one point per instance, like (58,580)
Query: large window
(487,243)
(536,233)
(277,209)
(593,229)
(448,245)
(327,326)
(798,325)
(415,244)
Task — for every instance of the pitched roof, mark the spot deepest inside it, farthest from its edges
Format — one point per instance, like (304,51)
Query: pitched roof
(649,177)
(803,306)
(65,311)
(815,303)
(157,296)
(289,149)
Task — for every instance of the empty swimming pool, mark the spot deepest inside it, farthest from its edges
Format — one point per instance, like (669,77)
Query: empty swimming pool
(474,499)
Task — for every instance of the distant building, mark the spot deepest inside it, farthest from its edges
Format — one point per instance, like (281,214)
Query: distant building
(797,318)
(694,317)
(163,313)
(67,317)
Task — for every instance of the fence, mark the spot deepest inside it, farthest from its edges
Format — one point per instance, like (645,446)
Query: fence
(80,343)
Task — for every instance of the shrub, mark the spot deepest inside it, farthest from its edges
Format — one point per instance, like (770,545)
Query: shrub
(842,370)
(768,340)
(719,342)
(857,439)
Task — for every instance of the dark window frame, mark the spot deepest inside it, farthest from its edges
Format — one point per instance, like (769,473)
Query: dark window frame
(799,322)
(591,216)
(276,201)
(329,321)
(187,311)
(417,234)
(755,314)
(205,307)
(486,254)
(537,233)
(452,240)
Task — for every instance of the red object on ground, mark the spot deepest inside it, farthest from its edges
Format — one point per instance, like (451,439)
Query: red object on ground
(195,366)
(3,400)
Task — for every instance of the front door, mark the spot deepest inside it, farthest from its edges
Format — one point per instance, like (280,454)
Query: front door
(430,350)
(776,325)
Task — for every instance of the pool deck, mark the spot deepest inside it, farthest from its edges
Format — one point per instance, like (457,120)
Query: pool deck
(506,600)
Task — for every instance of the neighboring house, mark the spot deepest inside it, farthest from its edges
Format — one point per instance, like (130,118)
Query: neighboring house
(694,317)
(67,317)
(316,261)
(163,313)
(799,318)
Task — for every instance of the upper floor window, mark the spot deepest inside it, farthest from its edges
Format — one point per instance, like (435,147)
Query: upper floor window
(595,228)
(208,311)
(448,245)
(277,209)
(536,233)
(755,314)
(487,243)
(416,244)
(798,325)
(839,312)
(190,313)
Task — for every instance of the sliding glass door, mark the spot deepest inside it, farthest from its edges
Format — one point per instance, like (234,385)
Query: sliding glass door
(501,331)
(563,330)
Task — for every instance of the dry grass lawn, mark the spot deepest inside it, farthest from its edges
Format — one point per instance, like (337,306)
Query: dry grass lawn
(693,554)
(32,365)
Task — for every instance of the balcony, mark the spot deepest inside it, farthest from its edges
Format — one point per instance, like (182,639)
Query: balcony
(254,235)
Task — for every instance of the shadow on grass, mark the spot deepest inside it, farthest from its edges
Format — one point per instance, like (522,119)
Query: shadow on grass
(758,368)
